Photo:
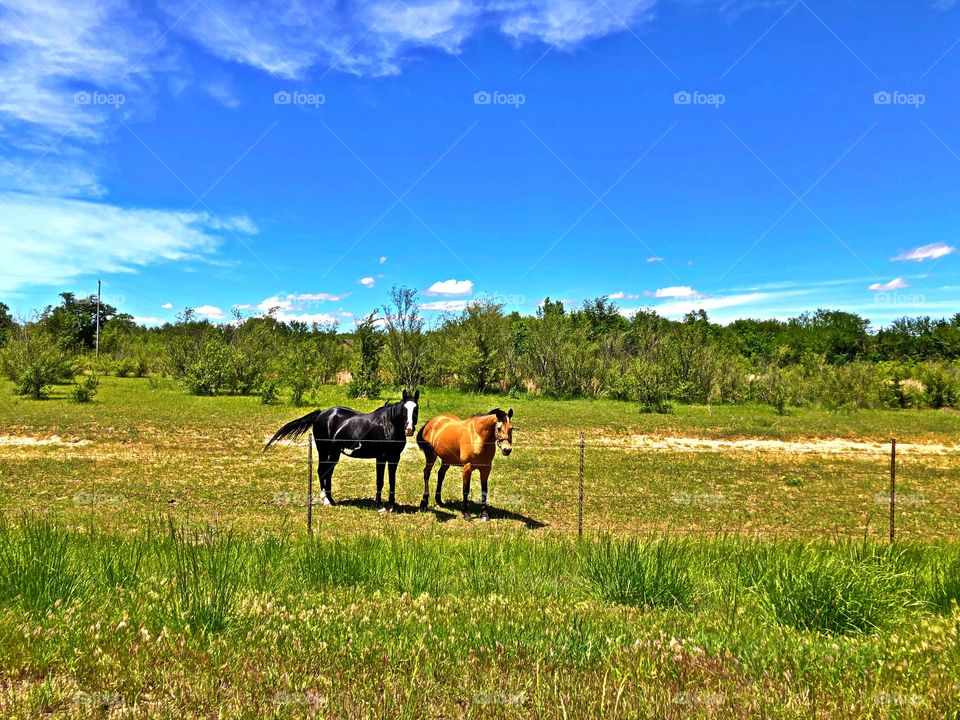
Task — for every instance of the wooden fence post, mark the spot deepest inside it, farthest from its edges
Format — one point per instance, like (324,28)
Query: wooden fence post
(893,486)
(580,502)
(310,483)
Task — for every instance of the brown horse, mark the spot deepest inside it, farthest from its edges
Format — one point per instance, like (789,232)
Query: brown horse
(470,444)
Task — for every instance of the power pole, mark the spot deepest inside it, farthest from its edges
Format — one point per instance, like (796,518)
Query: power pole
(98,318)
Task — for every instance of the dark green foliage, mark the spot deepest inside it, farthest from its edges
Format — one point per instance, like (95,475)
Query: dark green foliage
(85,389)
(368,344)
(34,360)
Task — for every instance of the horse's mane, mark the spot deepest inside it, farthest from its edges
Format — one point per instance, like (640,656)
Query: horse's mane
(501,415)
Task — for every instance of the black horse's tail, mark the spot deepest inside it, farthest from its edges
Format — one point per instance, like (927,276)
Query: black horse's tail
(294,428)
(426,447)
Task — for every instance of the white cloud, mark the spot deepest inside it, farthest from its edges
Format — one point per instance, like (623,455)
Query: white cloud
(211,312)
(376,37)
(676,291)
(450,287)
(55,48)
(318,297)
(320,318)
(621,295)
(149,320)
(654,259)
(895,284)
(565,23)
(383,259)
(50,241)
(293,301)
(926,252)
(167,306)
(445,305)
(367,282)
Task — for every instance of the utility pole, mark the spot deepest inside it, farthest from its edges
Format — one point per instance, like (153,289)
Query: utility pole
(98,318)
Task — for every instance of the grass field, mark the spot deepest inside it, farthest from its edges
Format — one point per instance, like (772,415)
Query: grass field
(154,563)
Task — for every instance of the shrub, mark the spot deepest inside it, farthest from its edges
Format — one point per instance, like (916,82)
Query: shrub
(34,360)
(86,389)
(368,343)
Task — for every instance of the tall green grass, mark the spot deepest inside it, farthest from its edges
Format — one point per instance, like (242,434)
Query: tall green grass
(201,577)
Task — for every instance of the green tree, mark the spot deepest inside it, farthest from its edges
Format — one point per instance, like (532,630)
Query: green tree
(368,344)
(74,321)
(34,360)
(405,339)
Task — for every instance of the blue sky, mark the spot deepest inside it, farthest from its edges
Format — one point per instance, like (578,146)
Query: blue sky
(756,159)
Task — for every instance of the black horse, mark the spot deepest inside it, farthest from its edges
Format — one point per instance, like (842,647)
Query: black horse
(380,434)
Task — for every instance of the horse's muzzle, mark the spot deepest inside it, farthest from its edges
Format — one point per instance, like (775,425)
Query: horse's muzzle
(506,450)
(409,432)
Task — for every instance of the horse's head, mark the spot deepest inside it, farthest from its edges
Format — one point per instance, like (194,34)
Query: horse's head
(504,431)
(411,411)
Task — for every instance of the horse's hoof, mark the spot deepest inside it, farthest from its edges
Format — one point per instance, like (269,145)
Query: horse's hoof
(439,500)
(390,508)
(485,516)
(424,504)
(327,502)
(467,516)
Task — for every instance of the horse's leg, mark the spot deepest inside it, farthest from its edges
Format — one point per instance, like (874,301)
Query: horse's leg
(467,469)
(392,470)
(441,473)
(484,474)
(380,466)
(427,469)
(325,474)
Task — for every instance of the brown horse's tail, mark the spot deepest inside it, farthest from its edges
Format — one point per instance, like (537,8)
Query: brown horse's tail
(294,428)
(424,445)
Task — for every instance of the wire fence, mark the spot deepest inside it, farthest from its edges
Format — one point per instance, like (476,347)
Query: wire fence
(579,485)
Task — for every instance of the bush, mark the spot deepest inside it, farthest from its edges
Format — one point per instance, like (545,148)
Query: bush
(86,389)
(270,392)
(34,360)
(368,343)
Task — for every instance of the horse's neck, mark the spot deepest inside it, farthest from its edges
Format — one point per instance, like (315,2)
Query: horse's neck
(486,424)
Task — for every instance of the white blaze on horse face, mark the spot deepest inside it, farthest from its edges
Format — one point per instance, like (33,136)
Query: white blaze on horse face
(408,407)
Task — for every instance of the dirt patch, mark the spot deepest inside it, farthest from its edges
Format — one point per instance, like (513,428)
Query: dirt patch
(15,440)
(833,446)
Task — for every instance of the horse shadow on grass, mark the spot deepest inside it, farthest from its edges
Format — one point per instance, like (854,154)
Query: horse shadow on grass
(446,512)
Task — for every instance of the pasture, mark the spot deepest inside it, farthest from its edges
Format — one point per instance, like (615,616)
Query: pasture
(154,563)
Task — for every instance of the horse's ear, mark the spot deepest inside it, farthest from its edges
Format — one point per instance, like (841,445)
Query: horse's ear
(416,396)
(404,393)
(510,413)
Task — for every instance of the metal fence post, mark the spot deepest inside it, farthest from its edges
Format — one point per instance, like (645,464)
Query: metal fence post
(893,486)
(580,503)
(310,483)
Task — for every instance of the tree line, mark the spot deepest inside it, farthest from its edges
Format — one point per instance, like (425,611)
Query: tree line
(829,358)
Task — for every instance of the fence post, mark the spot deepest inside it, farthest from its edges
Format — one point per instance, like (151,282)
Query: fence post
(893,486)
(310,483)
(580,502)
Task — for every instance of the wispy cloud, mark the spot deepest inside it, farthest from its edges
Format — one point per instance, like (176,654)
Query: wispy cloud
(445,305)
(368,282)
(895,284)
(376,37)
(926,252)
(50,241)
(167,306)
(621,295)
